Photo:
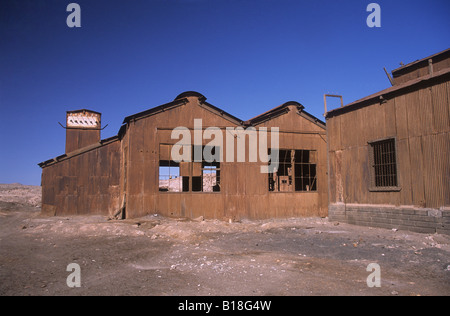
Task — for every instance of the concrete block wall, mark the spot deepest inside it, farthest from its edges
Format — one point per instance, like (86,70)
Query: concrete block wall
(421,220)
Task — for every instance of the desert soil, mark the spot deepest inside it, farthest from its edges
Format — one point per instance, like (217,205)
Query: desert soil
(161,256)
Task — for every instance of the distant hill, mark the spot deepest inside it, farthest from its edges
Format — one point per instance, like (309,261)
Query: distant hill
(19,194)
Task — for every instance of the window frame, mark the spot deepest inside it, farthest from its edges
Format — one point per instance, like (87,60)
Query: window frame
(164,161)
(293,178)
(169,164)
(372,168)
(190,167)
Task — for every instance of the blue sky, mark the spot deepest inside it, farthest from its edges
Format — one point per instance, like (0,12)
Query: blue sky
(245,56)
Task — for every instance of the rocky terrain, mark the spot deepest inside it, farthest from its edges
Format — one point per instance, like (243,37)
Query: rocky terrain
(16,195)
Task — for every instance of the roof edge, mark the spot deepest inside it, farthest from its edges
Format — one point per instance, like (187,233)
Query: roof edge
(155,110)
(83,110)
(222,113)
(283,109)
(276,111)
(416,62)
(188,94)
(78,152)
(387,92)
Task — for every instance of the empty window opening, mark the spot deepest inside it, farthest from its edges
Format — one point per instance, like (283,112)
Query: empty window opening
(172,175)
(305,170)
(297,172)
(210,171)
(169,177)
(195,176)
(211,177)
(196,184)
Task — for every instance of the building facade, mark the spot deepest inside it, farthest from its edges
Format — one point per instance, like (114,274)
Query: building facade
(388,153)
(135,173)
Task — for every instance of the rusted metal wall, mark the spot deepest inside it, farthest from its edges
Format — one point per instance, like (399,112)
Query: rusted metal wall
(87,183)
(299,133)
(142,142)
(423,67)
(244,189)
(418,118)
(80,138)
(103,178)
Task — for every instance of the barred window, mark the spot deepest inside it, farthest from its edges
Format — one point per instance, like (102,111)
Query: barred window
(383,165)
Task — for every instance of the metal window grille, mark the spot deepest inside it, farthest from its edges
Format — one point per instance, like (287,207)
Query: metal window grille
(384,163)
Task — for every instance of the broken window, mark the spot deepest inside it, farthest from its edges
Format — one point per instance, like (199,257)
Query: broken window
(195,176)
(305,170)
(383,164)
(172,175)
(169,177)
(206,174)
(297,172)
(211,176)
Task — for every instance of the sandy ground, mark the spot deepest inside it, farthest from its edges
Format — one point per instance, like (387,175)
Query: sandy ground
(161,256)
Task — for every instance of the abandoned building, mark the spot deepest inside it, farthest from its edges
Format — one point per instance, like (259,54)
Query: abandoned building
(134,174)
(381,161)
(388,153)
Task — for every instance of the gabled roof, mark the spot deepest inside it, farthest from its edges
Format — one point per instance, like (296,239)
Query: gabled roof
(182,99)
(276,111)
(283,109)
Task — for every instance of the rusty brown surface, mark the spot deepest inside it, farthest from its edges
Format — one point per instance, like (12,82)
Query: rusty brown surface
(125,170)
(416,115)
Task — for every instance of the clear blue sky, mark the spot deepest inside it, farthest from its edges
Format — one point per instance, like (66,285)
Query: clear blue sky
(245,56)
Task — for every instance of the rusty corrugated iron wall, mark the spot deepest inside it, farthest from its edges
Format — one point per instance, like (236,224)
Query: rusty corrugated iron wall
(122,173)
(244,189)
(86,183)
(415,113)
(419,121)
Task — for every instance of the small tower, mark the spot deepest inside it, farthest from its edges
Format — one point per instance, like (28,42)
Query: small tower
(82,129)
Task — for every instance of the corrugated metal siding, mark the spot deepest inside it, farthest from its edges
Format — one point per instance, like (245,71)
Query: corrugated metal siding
(83,184)
(244,189)
(420,121)
(79,138)
(441,115)
(436,179)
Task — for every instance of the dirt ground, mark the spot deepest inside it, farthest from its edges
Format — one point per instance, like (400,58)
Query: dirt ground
(161,256)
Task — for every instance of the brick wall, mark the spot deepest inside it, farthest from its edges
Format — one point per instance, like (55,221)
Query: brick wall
(409,218)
